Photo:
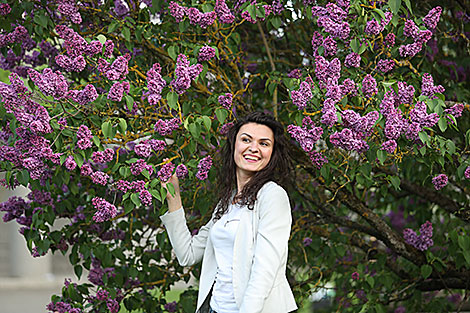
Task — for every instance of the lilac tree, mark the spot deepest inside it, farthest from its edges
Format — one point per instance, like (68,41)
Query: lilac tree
(106,99)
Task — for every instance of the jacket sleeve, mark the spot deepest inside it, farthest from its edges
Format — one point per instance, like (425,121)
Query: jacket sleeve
(188,249)
(270,249)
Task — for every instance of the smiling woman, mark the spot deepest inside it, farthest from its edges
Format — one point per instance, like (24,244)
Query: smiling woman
(243,247)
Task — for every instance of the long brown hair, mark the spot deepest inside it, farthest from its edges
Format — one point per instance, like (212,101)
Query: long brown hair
(277,170)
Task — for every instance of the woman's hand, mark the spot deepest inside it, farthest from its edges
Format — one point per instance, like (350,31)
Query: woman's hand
(174,202)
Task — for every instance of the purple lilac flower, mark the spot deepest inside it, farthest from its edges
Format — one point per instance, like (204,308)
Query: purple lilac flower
(327,71)
(117,91)
(405,93)
(330,46)
(360,125)
(84,96)
(295,73)
(164,174)
(304,136)
(177,11)
(226,100)
(157,145)
(422,241)
(352,60)
(171,306)
(385,65)
(70,163)
(329,116)
(428,88)
(390,40)
(223,12)
(184,74)
(155,84)
(225,128)
(203,168)
(307,241)
(418,115)
(372,28)
(5,9)
(400,309)
(410,29)
(14,208)
(112,305)
(206,53)
(369,86)
(105,210)
(84,136)
(166,127)
(102,295)
(69,9)
(347,140)
(120,9)
(143,149)
(302,96)
(431,19)
(317,159)
(355,276)
(440,181)
(410,50)
(390,146)
(123,185)
(145,197)
(317,41)
(467,173)
(348,87)
(140,165)
(100,178)
(181,171)
(49,82)
(138,185)
(71,64)
(86,170)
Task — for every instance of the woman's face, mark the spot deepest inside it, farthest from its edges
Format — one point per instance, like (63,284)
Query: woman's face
(253,148)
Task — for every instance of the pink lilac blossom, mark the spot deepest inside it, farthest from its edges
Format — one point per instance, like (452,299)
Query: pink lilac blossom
(70,163)
(405,93)
(410,50)
(428,88)
(138,185)
(329,116)
(49,82)
(352,60)
(108,48)
(390,146)
(184,74)
(419,115)
(74,44)
(410,29)
(225,128)
(5,9)
(171,306)
(71,64)
(123,185)
(394,125)
(455,110)
(467,172)
(157,145)
(361,125)
(84,136)
(206,53)
(166,127)
(165,172)
(181,171)
(372,28)
(369,86)
(102,295)
(301,97)
(155,84)
(295,73)
(14,208)
(330,46)
(204,166)
(385,65)
(105,210)
(307,135)
(326,71)
(86,169)
(145,197)
(348,140)
(117,91)
(177,11)
(143,149)
(431,19)
(317,159)
(223,12)
(226,100)
(69,9)
(84,96)
(440,181)
(390,40)
(423,241)
(355,276)
(100,178)
(317,41)
(348,87)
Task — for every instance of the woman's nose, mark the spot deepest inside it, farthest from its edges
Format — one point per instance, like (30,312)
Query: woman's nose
(254,146)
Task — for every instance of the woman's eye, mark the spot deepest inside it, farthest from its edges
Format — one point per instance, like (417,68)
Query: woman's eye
(245,139)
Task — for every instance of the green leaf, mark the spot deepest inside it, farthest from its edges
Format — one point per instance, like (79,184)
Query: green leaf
(423,136)
(355,45)
(426,270)
(395,180)
(382,156)
(155,194)
(408,5)
(78,271)
(443,124)
(394,5)
(107,129)
(172,52)
(101,38)
(221,115)
(464,242)
(96,141)
(207,122)
(126,33)
(370,280)
(129,102)
(112,27)
(252,10)
(172,99)
(450,145)
(171,189)
(122,126)
(78,159)
(135,199)
(23,177)
(276,22)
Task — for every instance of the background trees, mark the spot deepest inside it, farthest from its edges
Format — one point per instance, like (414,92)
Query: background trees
(372,94)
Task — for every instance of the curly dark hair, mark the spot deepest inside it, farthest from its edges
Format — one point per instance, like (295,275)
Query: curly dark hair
(276,170)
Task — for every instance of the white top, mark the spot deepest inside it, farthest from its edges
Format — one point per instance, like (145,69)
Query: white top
(223,238)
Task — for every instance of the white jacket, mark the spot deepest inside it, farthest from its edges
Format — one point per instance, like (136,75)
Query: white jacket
(259,254)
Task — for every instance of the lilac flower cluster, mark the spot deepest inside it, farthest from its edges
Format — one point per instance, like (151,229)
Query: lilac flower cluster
(348,140)
(360,125)
(226,100)
(317,41)
(145,197)
(225,128)
(390,146)
(117,91)
(50,83)
(69,9)
(19,34)
(105,210)
(440,181)
(70,163)
(420,37)
(374,28)
(140,165)
(125,186)
(62,307)
(326,71)
(155,84)
(395,125)
(95,276)
(301,97)
(352,60)
(427,86)
(330,46)
(467,172)
(86,169)
(84,136)
(5,9)
(223,12)
(100,178)
(164,174)
(405,93)
(331,19)
(103,156)
(206,53)
(203,167)
(419,115)
(195,16)
(317,159)
(84,96)
(455,110)
(385,65)
(181,171)
(433,16)
(171,306)
(268,9)
(348,87)
(295,73)
(116,70)
(185,73)
(166,127)
(14,207)
(71,64)
(422,241)
(369,86)
(389,40)
(306,135)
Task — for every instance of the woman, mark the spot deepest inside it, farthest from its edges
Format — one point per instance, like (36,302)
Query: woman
(244,246)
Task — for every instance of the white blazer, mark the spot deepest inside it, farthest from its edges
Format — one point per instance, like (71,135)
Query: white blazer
(259,255)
